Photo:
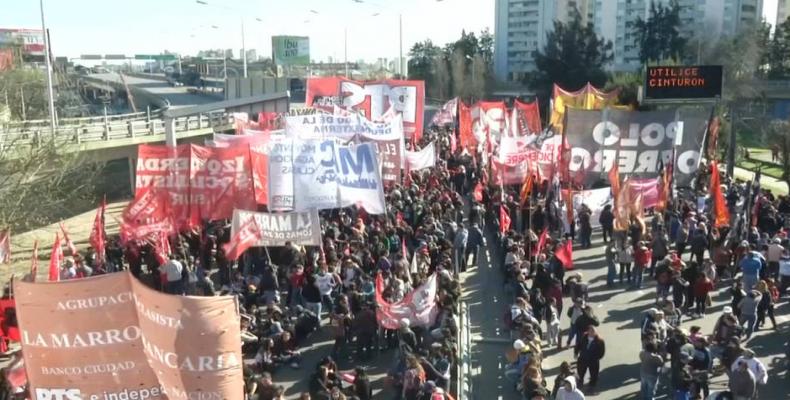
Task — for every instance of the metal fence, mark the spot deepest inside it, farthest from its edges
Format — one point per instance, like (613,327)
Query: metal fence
(463,374)
(110,129)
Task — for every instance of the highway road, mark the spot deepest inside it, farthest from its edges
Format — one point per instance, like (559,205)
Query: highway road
(177,96)
(620,313)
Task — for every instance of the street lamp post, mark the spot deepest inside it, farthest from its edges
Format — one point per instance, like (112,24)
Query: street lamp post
(243,44)
(50,94)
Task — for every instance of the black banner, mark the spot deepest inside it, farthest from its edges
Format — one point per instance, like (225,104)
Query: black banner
(683,82)
(636,140)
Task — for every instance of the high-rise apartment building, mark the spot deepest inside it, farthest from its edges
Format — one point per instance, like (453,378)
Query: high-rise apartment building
(782,11)
(521,26)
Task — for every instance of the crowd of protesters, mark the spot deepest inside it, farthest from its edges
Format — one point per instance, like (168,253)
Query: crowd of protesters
(679,251)
(294,295)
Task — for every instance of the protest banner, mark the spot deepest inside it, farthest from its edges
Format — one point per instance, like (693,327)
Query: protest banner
(636,140)
(167,170)
(111,337)
(525,119)
(521,155)
(299,228)
(446,115)
(358,178)
(322,126)
(418,306)
(280,178)
(425,158)
(374,98)
(594,199)
(220,179)
(314,177)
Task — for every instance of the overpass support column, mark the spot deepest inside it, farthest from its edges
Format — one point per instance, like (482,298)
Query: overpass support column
(170,132)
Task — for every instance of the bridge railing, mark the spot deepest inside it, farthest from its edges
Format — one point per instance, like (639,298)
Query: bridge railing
(71,122)
(113,129)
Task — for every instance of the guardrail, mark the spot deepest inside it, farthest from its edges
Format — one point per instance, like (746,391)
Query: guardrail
(108,130)
(44,123)
(463,374)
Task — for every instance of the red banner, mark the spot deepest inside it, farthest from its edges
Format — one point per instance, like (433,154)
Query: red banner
(492,118)
(374,98)
(465,135)
(721,215)
(202,182)
(245,238)
(526,118)
(504,219)
(564,253)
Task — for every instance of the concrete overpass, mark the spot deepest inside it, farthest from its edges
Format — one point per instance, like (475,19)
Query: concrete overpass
(149,90)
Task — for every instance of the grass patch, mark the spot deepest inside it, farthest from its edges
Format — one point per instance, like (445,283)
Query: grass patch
(768,169)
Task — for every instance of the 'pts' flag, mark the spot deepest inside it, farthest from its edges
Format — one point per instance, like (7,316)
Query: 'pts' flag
(248,234)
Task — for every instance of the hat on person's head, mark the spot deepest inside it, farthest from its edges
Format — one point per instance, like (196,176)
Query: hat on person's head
(519,345)
(727,310)
(776,241)
(405,323)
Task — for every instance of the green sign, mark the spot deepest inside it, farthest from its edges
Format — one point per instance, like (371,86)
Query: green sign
(291,50)
(156,57)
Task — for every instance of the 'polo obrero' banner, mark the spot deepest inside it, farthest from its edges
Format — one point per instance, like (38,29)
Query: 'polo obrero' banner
(111,337)
(636,141)
(299,228)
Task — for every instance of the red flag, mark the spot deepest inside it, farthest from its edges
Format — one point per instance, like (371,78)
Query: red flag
(268,121)
(713,137)
(478,192)
(34,262)
(614,181)
(504,219)
(544,237)
(403,248)
(526,188)
(162,248)
(55,260)
(564,253)
(98,235)
(69,243)
(5,246)
(248,234)
(465,136)
(721,215)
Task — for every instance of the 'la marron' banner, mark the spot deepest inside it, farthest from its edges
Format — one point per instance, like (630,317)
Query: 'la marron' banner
(636,140)
(111,337)
(299,228)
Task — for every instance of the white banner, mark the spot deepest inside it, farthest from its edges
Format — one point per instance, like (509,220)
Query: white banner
(299,228)
(594,199)
(425,158)
(314,176)
(323,125)
(281,177)
(358,177)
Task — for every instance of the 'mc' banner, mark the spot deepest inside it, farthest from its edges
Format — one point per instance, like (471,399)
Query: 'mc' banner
(111,337)
(299,228)
(373,98)
(636,141)
(358,177)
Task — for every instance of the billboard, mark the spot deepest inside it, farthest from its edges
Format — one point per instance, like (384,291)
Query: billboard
(683,82)
(291,50)
(31,40)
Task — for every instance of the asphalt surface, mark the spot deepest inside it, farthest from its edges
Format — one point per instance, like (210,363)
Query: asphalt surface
(178,96)
(620,312)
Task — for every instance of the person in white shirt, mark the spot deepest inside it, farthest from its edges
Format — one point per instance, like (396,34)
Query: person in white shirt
(173,270)
(755,365)
(773,255)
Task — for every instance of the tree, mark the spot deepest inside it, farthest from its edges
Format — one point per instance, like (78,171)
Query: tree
(24,91)
(780,130)
(44,182)
(421,58)
(778,53)
(573,56)
(659,36)
(627,84)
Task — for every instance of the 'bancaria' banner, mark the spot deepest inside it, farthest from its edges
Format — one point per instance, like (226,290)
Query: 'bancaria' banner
(636,141)
(374,98)
(418,306)
(111,337)
(298,228)
(358,178)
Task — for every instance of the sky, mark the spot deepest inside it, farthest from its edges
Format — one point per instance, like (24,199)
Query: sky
(184,26)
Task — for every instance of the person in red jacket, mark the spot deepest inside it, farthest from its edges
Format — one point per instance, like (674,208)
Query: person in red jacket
(702,287)
(642,257)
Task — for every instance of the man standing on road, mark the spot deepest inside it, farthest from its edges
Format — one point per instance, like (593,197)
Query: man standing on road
(650,370)
(173,270)
(591,350)
(459,249)
(751,265)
